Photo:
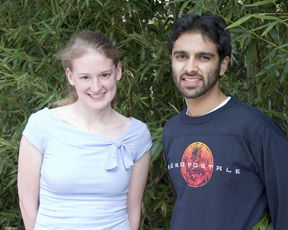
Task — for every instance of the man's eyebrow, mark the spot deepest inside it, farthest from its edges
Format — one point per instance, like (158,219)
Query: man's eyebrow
(206,54)
(179,52)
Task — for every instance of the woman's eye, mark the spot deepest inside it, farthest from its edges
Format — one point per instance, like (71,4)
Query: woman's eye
(105,75)
(84,77)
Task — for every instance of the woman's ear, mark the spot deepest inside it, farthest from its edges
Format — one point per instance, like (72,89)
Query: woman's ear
(224,65)
(69,76)
(118,71)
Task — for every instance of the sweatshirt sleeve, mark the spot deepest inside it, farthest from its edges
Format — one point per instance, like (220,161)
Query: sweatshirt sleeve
(275,176)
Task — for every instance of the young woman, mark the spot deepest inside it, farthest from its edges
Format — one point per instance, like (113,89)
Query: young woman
(82,165)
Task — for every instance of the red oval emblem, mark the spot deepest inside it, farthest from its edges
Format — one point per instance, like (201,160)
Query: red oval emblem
(197,164)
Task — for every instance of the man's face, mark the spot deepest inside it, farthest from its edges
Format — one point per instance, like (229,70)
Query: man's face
(195,65)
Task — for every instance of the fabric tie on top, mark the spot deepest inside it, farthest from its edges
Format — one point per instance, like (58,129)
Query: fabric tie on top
(118,149)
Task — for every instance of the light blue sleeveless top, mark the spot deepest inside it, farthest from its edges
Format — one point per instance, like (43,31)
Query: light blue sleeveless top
(84,177)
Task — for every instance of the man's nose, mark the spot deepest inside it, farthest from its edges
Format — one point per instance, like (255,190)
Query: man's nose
(191,65)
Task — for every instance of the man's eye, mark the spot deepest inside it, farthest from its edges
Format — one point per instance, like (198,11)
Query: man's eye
(181,57)
(204,58)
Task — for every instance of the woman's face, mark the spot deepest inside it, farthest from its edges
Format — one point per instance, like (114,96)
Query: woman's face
(94,77)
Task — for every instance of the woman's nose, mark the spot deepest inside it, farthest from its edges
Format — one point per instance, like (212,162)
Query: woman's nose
(96,84)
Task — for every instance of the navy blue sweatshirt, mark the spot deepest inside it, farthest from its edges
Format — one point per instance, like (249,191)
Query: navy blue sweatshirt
(226,167)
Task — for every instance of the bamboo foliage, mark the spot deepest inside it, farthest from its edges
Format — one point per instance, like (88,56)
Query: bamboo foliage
(32,32)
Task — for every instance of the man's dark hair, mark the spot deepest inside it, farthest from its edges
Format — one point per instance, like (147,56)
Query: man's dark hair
(211,26)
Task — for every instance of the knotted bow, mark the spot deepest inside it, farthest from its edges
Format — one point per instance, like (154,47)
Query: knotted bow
(118,149)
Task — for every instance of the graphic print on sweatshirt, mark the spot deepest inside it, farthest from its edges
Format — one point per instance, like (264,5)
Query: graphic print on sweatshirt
(197,165)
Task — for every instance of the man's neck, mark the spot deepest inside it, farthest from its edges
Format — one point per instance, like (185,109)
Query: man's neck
(200,106)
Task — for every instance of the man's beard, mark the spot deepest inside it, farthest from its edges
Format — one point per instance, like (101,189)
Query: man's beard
(207,84)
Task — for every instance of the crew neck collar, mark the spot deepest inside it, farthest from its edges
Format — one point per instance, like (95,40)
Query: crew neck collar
(202,119)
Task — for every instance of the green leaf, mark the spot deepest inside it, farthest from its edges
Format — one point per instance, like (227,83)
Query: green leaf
(269,27)
(284,74)
(267,17)
(156,150)
(240,21)
(261,3)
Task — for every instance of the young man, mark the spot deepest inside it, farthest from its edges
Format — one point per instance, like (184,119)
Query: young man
(226,160)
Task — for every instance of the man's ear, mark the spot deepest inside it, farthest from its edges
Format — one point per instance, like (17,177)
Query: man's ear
(69,76)
(224,65)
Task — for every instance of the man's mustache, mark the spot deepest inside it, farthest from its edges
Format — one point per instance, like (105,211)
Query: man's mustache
(191,75)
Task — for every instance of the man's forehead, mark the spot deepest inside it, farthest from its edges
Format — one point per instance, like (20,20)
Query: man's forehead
(194,41)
